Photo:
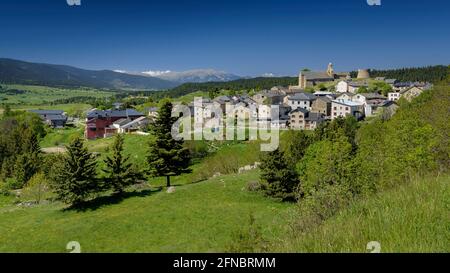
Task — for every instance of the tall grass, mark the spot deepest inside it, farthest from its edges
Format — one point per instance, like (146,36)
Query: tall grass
(413,217)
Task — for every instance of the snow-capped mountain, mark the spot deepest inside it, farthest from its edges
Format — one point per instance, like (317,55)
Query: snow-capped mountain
(196,75)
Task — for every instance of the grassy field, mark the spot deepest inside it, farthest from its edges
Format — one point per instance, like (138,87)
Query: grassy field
(199,217)
(72,109)
(42,95)
(414,217)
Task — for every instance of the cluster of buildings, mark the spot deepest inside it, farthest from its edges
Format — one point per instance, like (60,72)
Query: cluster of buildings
(106,123)
(297,109)
(303,110)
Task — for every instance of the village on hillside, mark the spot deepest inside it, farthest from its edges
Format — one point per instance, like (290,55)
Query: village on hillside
(318,97)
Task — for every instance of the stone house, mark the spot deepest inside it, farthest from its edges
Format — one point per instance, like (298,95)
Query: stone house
(322,105)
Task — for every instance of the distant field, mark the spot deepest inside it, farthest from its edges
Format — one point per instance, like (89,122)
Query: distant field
(199,217)
(71,108)
(18,95)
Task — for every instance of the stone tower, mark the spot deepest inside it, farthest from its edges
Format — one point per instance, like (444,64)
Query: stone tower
(330,70)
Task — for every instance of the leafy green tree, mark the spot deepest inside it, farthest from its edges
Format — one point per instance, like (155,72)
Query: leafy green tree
(37,188)
(322,87)
(167,156)
(380,87)
(326,163)
(120,172)
(362,90)
(295,144)
(279,178)
(76,180)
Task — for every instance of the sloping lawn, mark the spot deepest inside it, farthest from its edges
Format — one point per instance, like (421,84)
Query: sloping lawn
(196,218)
(413,217)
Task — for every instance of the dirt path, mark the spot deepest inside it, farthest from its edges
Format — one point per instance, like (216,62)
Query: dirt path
(54,150)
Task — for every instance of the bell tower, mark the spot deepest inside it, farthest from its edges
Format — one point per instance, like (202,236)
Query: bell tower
(330,70)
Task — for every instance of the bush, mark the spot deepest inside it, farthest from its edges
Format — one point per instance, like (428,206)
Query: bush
(37,189)
(11,184)
(318,206)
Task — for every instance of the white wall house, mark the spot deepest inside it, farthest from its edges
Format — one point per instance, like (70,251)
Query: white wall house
(300,100)
(394,96)
(343,108)
(342,87)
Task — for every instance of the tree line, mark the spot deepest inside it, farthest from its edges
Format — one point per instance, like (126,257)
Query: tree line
(256,84)
(433,74)
(74,176)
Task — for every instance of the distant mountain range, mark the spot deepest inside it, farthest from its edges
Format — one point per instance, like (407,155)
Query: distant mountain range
(190,76)
(20,72)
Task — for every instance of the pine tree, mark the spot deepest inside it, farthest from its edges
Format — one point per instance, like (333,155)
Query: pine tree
(278,176)
(76,179)
(28,162)
(120,172)
(167,156)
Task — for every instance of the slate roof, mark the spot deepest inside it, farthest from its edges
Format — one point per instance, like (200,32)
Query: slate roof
(311,75)
(347,103)
(114,113)
(56,117)
(302,97)
(304,111)
(390,81)
(371,96)
(222,99)
(312,116)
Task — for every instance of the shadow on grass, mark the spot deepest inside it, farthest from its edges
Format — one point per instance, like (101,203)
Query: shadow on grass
(113,199)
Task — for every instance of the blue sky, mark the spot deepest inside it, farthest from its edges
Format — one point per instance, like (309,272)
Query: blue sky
(245,37)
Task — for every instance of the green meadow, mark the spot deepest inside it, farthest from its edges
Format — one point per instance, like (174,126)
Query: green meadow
(19,95)
(413,217)
(200,217)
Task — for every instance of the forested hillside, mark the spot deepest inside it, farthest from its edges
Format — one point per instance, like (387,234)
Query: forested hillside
(19,72)
(242,84)
(431,74)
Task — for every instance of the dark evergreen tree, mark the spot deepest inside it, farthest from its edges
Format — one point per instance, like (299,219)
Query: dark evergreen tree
(167,156)
(76,179)
(28,161)
(295,145)
(120,172)
(279,177)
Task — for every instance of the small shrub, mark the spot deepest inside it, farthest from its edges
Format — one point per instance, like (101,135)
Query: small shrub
(11,184)
(254,186)
(249,239)
(318,206)
(37,189)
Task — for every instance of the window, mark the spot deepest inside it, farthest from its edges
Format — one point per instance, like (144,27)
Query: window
(346,108)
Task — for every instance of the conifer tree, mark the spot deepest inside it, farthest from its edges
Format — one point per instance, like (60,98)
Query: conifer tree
(120,172)
(76,179)
(28,162)
(167,156)
(278,176)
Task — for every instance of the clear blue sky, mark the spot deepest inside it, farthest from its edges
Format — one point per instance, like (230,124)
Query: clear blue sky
(246,37)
